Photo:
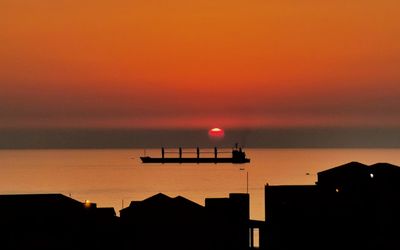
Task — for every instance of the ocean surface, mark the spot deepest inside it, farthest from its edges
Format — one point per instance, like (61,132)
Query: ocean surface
(115,177)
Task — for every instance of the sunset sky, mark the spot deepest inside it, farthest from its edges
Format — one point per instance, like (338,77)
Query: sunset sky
(199,64)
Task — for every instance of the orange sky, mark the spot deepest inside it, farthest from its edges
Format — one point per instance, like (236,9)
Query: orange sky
(205,63)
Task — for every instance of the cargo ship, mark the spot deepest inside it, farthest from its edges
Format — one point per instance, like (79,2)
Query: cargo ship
(238,157)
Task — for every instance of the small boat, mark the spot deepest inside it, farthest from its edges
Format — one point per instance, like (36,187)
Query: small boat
(238,157)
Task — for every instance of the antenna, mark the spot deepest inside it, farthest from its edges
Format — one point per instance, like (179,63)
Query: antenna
(247,182)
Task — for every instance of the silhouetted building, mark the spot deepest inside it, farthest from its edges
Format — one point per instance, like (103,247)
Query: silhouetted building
(353,206)
(54,221)
(162,222)
(228,221)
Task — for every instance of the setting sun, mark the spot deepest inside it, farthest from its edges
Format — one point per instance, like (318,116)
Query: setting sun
(216,133)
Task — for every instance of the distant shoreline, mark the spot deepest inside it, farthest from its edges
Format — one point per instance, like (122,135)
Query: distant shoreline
(312,138)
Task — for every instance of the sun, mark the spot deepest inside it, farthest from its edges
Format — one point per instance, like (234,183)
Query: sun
(216,133)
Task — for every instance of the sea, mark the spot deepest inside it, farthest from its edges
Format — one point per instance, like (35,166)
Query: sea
(115,177)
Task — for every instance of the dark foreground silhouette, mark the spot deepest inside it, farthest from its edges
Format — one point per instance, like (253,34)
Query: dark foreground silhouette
(54,221)
(353,206)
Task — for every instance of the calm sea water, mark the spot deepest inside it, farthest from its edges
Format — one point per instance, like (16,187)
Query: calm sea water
(113,178)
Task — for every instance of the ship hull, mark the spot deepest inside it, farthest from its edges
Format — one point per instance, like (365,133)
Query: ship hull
(147,159)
